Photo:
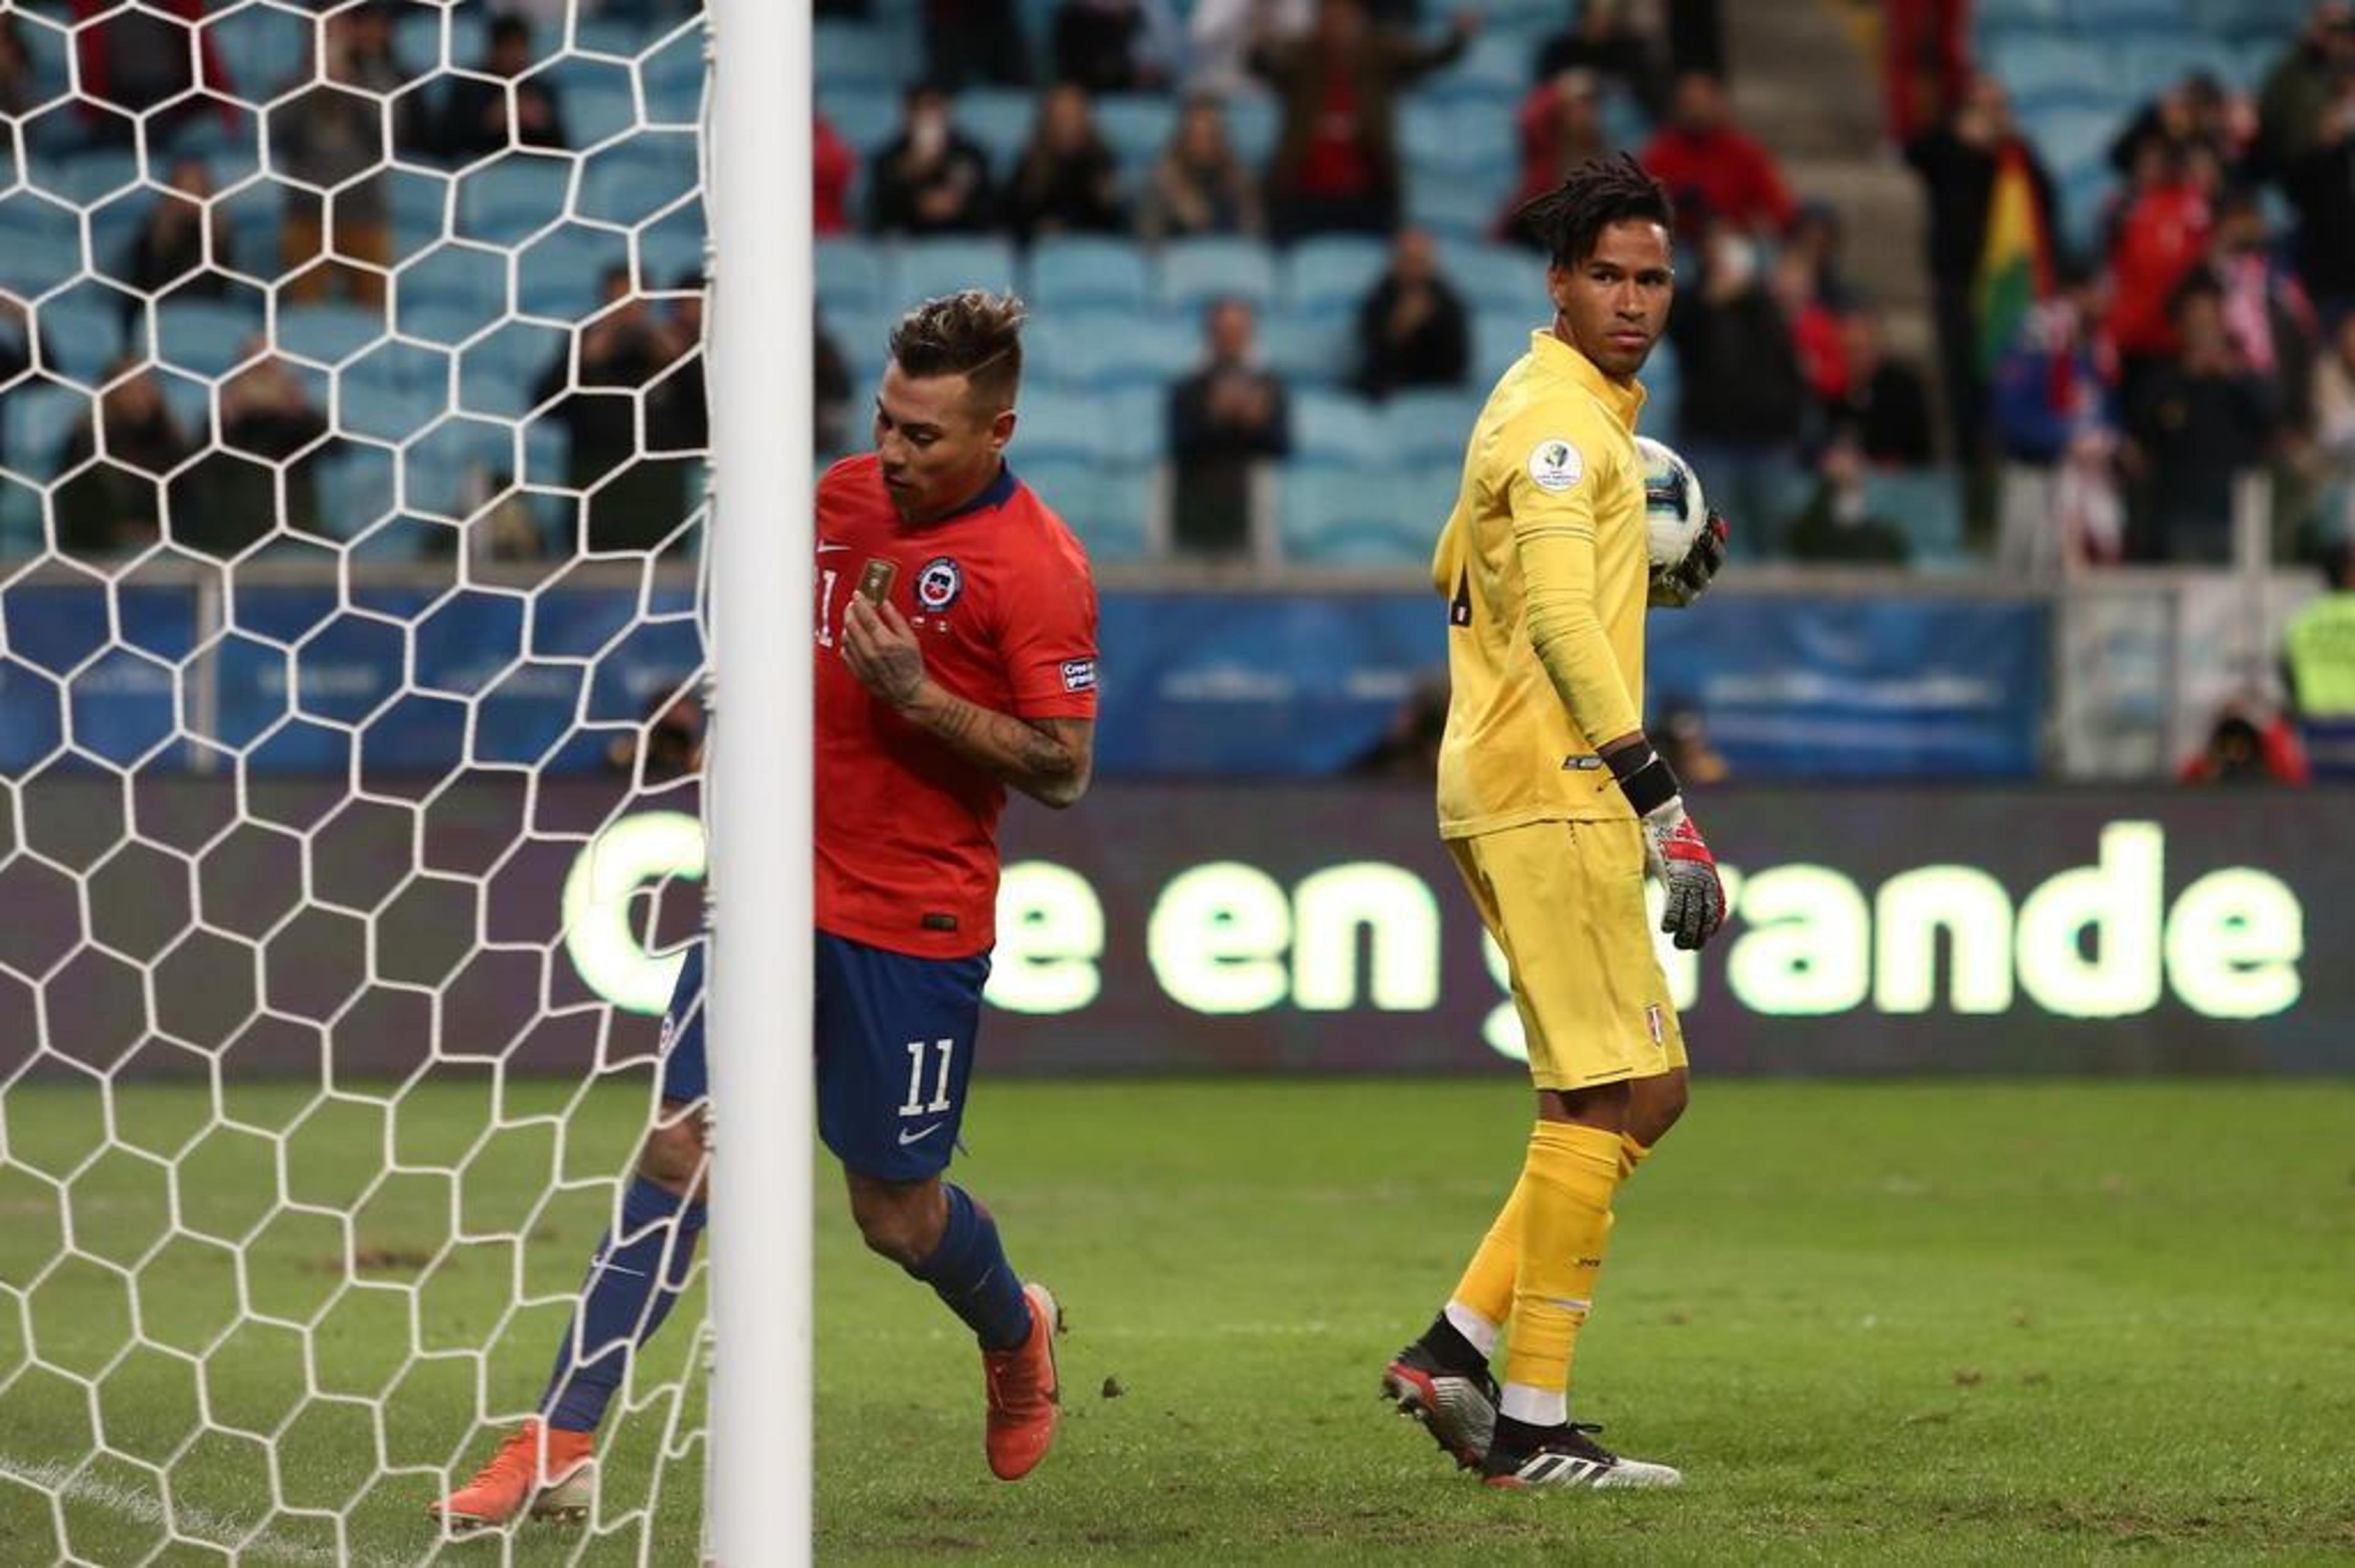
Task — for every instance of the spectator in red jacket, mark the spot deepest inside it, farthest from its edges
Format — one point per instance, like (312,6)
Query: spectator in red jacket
(832,164)
(2162,235)
(1713,168)
(1561,124)
(132,62)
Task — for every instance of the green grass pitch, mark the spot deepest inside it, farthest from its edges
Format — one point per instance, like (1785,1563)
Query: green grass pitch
(1923,1322)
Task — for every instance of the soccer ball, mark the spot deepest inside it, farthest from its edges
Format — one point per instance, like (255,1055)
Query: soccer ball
(1674,510)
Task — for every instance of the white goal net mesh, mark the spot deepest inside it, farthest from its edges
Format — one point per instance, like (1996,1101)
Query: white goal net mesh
(351,421)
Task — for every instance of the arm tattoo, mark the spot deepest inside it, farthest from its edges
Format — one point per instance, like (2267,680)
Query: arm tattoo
(1038,764)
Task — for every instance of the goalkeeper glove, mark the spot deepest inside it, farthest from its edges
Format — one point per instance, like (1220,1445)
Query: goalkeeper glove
(1674,587)
(1673,848)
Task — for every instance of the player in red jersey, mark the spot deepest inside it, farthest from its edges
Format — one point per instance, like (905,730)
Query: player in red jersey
(957,658)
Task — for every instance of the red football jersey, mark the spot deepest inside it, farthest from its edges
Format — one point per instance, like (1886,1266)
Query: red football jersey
(1000,599)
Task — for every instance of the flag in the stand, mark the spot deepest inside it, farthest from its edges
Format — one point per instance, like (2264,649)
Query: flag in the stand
(2016,264)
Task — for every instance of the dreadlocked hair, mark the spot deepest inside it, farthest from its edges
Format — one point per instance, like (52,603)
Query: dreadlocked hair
(1568,219)
(974,333)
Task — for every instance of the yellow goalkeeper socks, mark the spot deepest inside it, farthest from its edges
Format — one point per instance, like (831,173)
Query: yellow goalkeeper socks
(1484,1295)
(1565,1202)
(1631,1154)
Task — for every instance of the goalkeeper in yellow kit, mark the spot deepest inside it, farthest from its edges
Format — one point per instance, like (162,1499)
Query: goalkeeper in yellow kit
(1554,805)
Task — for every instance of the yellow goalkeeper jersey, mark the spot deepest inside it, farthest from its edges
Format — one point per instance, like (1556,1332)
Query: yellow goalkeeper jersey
(1545,569)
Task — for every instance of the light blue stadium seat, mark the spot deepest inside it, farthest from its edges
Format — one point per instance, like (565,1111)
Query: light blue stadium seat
(2041,69)
(421,208)
(36,420)
(674,65)
(444,324)
(997,118)
(81,177)
(260,47)
(561,275)
(1333,273)
(2149,66)
(43,247)
(1088,272)
(1195,272)
(1491,277)
(1136,430)
(620,186)
(462,275)
(1106,506)
(1499,338)
(1252,126)
(594,111)
(2016,15)
(1926,505)
(850,272)
(1472,142)
(1491,74)
(867,121)
(1310,350)
(1429,426)
(206,337)
(326,333)
(2082,194)
(1058,426)
(504,198)
(1336,430)
(1454,209)
(622,38)
(923,268)
(2274,21)
(1349,518)
(498,371)
(1107,350)
(1135,126)
(84,329)
(675,98)
(671,247)
(2072,139)
(859,54)
(417,38)
(2100,16)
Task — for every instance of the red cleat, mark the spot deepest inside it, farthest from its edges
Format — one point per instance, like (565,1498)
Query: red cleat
(1022,1392)
(557,1487)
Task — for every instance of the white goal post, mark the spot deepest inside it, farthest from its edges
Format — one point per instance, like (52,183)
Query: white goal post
(346,858)
(762,319)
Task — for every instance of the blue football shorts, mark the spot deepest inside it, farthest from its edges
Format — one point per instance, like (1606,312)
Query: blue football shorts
(894,1036)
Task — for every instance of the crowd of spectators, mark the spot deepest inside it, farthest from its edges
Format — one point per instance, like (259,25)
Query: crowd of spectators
(2199,332)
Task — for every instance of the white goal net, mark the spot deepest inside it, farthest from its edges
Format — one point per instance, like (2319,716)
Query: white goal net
(351,423)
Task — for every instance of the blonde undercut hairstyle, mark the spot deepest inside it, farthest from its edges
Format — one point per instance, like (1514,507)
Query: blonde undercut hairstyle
(974,333)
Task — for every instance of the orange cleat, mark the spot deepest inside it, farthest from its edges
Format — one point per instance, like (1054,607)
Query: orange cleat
(1022,1392)
(557,1485)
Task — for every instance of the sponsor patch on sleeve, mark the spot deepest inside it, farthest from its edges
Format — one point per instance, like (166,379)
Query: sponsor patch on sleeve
(1078,675)
(1556,466)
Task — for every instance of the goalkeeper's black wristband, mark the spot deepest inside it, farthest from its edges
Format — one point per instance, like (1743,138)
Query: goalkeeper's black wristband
(1647,782)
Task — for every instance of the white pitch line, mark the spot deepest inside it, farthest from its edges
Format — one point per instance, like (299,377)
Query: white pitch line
(194,1523)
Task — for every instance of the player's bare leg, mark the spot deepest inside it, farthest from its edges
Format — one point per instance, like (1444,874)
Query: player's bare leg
(941,1237)
(548,1466)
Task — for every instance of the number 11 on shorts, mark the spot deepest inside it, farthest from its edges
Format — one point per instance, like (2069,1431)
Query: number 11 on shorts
(916,1106)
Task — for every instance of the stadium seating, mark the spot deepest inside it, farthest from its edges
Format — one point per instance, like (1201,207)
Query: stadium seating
(1135,126)
(205,336)
(1338,430)
(1926,506)
(1106,506)
(1088,272)
(1428,427)
(857,56)
(1194,272)
(327,332)
(921,268)
(501,199)
(1333,273)
(999,118)
(1363,517)
(36,418)
(84,330)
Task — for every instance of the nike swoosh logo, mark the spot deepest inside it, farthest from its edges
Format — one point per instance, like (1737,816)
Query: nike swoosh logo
(830,548)
(907,1137)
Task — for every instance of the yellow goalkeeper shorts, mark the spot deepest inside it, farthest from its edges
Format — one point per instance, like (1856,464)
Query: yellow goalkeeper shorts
(1565,901)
